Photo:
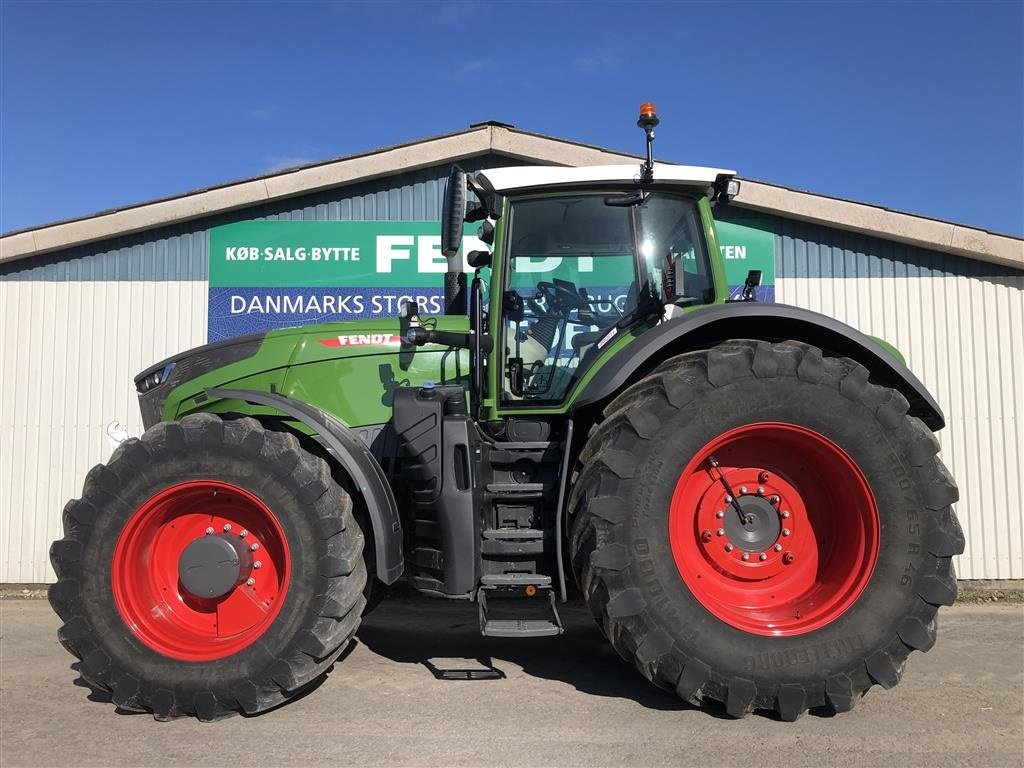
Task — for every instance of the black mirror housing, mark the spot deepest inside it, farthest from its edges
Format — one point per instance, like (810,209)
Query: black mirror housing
(453,212)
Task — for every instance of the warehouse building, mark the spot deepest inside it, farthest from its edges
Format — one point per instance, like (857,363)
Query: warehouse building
(88,303)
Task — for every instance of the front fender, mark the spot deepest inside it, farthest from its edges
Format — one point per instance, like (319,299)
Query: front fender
(351,453)
(769,322)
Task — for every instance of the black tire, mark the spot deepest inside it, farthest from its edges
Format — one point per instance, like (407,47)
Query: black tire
(621,553)
(315,621)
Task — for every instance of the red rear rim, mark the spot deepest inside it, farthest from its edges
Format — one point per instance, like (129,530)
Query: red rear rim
(148,589)
(804,547)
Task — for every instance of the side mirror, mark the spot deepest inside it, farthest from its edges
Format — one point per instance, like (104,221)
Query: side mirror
(750,285)
(478,259)
(453,212)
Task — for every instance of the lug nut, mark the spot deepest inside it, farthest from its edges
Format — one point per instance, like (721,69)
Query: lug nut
(774,499)
(706,536)
(209,531)
(760,490)
(746,556)
(743,489)
(257,565)
(243,533)
(728,547)
(719,514)
(788,558)
(227,527)
(786,531)
(254,546)
(250,581)
(785,514)
(728,499)
(762,556)
(777,547)
(720,532)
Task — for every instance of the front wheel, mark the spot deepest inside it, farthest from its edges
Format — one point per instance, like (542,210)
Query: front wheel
(209,567)
(761,526)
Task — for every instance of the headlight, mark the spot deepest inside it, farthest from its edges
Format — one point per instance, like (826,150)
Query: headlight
(155,379)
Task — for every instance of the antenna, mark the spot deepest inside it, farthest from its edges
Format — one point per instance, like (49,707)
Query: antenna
(648,120)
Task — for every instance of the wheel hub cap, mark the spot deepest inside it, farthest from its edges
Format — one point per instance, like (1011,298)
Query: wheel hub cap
(211,566)
(758,529)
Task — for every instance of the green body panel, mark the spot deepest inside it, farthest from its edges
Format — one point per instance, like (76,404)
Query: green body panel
(354,381)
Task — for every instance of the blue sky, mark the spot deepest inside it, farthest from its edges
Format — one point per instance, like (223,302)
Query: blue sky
(917,106)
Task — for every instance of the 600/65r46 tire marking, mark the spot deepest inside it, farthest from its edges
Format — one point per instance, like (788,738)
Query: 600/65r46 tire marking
(150,596)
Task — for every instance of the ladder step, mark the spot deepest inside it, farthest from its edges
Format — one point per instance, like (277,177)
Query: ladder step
(525,446)
(513,533)
(520,628)
(518,490)
(515,580)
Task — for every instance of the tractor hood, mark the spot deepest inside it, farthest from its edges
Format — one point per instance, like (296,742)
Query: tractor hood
(297,361)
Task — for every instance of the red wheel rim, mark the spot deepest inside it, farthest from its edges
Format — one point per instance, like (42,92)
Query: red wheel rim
(806,545)
(149,593)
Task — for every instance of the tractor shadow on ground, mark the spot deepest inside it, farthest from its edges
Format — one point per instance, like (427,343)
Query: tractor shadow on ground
(409,629)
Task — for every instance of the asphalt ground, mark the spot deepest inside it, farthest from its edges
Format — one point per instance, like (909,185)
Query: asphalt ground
(562,701)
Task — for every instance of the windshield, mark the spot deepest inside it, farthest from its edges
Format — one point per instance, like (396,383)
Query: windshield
(578,266)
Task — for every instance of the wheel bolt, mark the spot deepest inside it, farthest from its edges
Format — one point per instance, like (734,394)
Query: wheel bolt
(786,531)
(774,499)
(762,477)
(243,533)
(257,565)
(788,558)
(719,514)
(762,556)
(777,547)
(785,514)
(209,531)
(746,556)
(720,531)
(760,490)
(250,581)
(728,547)
(706,536)
(728,499)
(227,527)
(254,546)
(743,489)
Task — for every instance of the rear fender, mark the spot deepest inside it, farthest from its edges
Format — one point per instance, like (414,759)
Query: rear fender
(704,328)
(352,454)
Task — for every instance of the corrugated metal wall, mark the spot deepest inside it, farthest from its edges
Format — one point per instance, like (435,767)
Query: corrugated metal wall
(76,326)
(960,323)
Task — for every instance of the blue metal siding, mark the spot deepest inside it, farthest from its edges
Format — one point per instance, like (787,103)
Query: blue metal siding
(179,252)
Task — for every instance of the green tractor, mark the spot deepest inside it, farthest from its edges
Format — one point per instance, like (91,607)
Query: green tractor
(747,495)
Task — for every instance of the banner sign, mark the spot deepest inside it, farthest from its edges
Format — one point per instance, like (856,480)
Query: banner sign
(274,274)
(747,246)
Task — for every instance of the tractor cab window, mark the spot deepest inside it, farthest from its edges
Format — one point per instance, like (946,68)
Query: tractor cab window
(573,266)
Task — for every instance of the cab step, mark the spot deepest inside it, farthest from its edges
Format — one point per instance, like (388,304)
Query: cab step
(518,627)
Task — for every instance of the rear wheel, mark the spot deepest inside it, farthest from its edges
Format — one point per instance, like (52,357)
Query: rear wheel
(806,582)
(210,567)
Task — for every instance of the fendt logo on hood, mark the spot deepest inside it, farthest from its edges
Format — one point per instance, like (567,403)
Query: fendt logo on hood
(360,340)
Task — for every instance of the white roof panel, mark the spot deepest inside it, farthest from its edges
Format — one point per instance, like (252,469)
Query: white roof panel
(526,176)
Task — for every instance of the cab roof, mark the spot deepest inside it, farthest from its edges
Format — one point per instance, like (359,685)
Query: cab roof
(504,180)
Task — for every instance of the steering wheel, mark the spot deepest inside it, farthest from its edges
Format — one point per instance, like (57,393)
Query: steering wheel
(561,295)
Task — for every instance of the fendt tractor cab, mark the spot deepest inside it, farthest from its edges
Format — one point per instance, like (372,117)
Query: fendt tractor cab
(747,496)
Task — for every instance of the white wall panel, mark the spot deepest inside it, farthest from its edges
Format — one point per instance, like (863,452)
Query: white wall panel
(68,353)
(964,338)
